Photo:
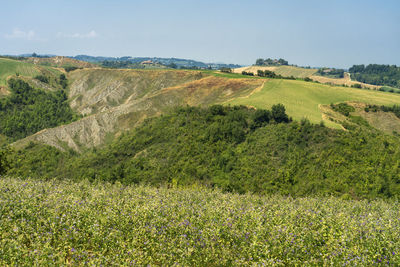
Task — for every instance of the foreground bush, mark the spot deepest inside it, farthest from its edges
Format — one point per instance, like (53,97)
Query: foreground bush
(60,222)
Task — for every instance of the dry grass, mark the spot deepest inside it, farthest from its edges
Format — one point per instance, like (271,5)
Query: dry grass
(60,61)
(3,91)
(285,71)
(214,89)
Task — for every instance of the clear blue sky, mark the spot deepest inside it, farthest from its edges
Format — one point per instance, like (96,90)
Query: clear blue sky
(336,33)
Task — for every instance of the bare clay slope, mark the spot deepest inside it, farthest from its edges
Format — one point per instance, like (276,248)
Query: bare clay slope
(118,100)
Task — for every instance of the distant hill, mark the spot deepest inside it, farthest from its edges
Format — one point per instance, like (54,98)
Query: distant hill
(60,62)
(285,71)
(388,75)
(180,63)
(23,69)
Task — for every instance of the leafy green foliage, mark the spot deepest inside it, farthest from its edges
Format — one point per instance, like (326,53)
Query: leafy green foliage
(377,74)
(247,73)
(343,108)
(4,160)
(267,73)
(62,223)
(70,68)
(63,81)
(28,110)
(374,108)
(42,78)
(226,70)
(356,85)
(236,149)
(271,62)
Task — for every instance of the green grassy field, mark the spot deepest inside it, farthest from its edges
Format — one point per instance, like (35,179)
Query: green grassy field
(301,99)
(54,223)
(10,67)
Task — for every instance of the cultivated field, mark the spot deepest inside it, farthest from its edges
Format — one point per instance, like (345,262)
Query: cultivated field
(302,99)
(285,71)
(53,223)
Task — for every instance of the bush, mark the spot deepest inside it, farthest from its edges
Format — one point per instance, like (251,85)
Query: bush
(70,68)
(42,78)
(343,108)
(356,85)
(226,70)
(278,113)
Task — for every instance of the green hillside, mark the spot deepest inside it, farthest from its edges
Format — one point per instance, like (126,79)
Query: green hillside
(9,67)
(236,149)
(302,99)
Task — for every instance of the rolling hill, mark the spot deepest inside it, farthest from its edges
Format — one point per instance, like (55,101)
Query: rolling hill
(9,67)
(303,99)
(118,100)
(59,62)
(285,71)
(27,71)
(115,100)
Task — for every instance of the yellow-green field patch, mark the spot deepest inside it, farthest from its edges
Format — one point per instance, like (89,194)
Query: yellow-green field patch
(10,67)
(302,99)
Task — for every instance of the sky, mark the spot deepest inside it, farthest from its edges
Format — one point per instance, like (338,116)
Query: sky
(337,33)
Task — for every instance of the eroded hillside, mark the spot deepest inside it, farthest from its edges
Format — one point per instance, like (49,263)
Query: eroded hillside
(118,100)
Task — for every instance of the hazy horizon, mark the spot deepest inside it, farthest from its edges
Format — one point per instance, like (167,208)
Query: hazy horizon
(309,33)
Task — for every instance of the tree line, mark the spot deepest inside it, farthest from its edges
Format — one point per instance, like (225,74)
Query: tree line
(377,74)
(271,62)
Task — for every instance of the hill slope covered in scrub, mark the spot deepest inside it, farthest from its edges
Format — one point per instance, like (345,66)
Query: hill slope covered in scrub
(236,149)
(117,100)
(114,101)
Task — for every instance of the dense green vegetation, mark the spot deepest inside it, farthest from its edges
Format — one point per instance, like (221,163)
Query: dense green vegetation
(28,110)
(70,68)
(57,223)
(374,108)
(271,62)
(377,74)
(343,108)
(4,163)
(236,149)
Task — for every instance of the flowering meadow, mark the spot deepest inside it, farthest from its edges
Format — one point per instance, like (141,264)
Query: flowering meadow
(56,223)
